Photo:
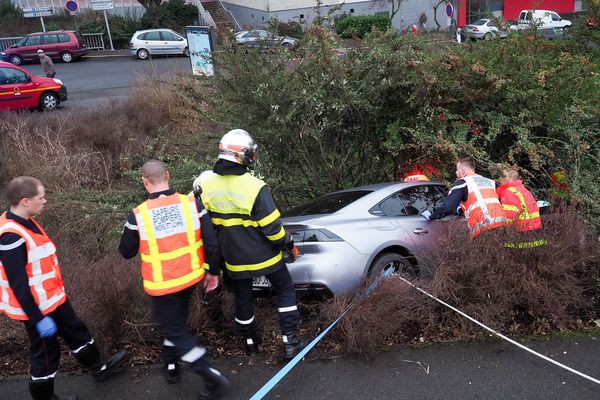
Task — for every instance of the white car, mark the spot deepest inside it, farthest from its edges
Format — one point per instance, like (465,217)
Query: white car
(485,29)
(541,19)
(151,42)
(263,38)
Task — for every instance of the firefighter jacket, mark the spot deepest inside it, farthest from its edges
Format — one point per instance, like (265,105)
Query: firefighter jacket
(246,220)
(482,209)
(170,243)
(520,207)
(44,279)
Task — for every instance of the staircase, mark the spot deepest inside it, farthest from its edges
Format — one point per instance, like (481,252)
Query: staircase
(223,19)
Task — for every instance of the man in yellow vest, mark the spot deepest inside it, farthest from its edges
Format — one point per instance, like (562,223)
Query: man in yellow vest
(32,291)
(251,237)
(178,247)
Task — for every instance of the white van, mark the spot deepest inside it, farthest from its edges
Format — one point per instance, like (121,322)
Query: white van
(542,19)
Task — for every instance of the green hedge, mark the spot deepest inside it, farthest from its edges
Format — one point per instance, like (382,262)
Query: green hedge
(350,26)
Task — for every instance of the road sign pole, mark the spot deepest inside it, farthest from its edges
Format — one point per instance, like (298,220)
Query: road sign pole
(108,30)
(43,26)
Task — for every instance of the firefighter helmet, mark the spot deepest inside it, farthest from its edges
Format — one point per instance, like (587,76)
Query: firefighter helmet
(238,146)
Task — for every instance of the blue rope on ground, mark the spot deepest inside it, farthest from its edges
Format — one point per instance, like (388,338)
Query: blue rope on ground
(288,367)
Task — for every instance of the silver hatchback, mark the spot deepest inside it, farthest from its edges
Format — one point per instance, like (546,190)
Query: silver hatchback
(348,236)
(152,42)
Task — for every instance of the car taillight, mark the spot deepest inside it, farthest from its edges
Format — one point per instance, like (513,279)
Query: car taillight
(315,235)
(475,29)
(131,45)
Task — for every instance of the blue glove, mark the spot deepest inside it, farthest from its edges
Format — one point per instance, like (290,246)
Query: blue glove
(426,214)
(46,327)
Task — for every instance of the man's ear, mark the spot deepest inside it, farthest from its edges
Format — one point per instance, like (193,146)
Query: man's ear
(145,181)
(167,176)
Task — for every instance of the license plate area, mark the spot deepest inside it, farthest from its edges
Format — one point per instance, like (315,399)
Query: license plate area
(261,282)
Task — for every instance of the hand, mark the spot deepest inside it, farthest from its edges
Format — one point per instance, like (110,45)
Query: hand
(46,327)
(426,214)
(290,245)
(291,255)
(210,282)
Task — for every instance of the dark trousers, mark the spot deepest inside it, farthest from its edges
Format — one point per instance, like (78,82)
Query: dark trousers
(51,75)
(286,303)
(171,313)
(44,353)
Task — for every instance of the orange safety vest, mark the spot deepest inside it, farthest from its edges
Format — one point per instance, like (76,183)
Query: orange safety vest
(170,244)
(482,209)
(519,206)
(45,279)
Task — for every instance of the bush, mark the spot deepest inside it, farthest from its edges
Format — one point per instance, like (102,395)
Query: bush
(121,28)
(359,26)
(290,28)
(174,14)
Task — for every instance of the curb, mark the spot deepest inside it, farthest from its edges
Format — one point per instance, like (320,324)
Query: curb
(107,55)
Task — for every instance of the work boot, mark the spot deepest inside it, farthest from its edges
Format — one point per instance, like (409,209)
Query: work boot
(44,389)
(251,345)
(110,366)
(216,384)
(292,345)
(171,371)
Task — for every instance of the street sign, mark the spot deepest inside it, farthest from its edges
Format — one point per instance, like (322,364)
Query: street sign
(449,10)
(34,12)
(71,5)
(99,5)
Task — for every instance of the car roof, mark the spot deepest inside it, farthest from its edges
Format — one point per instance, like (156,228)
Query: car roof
(7,64)
(155,30)
(51,32)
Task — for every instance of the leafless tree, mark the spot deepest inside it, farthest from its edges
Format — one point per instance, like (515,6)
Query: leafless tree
(149,3)
(435,7)
(394,4)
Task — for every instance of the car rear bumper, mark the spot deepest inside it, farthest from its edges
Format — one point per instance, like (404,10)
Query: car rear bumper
(62,94)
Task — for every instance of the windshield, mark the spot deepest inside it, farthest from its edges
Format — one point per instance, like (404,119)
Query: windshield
(480,22)
(327,204)
(21,42)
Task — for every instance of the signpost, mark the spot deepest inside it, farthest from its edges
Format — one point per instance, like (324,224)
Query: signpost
(103,5)
(72,6)
(34,12)
(200,47)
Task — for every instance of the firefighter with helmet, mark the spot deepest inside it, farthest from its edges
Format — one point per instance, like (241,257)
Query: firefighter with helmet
(251,237)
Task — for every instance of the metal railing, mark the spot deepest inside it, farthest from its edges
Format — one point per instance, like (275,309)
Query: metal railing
(93,41)
(9,41)
(205,17)
(238,26)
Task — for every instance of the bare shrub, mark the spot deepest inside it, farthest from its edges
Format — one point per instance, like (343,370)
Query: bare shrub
(533,291)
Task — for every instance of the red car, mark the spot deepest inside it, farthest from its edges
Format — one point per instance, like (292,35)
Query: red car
(66,46)
(19,89)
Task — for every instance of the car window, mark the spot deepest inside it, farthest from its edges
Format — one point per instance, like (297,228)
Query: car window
(152,36)
(491,24)
(391,207)
(11,76)
(263,34)
(327,204)
(169,36)
(63,38)
(34,40)
(50,39)
(528,16)
(249,35)
(479,22)
(555,17)
(419,198)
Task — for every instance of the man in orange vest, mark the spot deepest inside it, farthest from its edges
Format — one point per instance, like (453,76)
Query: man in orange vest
(32,291)
(521,211)
(178,246)
(476,196)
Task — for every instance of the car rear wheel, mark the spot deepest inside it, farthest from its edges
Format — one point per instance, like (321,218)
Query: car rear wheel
(49,101)
(16,59)
(399,264)
(488,36)
(66,57)
(143,54)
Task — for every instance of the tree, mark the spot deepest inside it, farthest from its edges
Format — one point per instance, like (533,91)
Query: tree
(435,8)
(394,4)
(147,4)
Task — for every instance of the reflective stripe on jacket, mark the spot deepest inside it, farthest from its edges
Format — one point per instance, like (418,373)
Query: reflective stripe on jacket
(250,236)
(170,244)
(482,209)
(45,279)
(519,206)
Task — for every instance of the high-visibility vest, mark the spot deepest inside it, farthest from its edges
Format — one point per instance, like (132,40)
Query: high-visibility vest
(520,207)
(45,279)
(170,244)
(482,209)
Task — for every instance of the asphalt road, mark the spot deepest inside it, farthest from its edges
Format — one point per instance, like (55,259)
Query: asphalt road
(94,80)
(492,370)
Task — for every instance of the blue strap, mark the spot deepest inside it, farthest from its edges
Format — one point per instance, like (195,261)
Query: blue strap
(288,367)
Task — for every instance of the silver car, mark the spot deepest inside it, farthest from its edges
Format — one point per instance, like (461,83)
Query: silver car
(485,29)
(263,38)
(152,42)
(348,236)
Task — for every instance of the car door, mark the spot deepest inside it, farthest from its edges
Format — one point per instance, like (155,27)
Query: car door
(173,44)
(16,90)
(153,42)
(50,45)
(32,45)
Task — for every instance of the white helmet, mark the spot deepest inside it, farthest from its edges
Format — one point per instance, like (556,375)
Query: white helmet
(197,185)
(238,146)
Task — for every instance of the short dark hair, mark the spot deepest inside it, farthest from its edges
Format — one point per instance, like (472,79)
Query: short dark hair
(22,187)
(155,171)
(469,162)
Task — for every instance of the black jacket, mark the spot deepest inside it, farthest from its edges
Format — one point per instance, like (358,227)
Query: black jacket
(450,204)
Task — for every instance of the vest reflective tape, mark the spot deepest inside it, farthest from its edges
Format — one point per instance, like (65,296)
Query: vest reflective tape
(43,272)
(254,267)
(172,283)
(269,218)
(508,207)
(482,208)
(526,220)
(278,235)
(234,221)
(525,245)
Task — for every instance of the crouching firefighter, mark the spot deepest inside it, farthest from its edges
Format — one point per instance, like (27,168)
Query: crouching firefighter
(252,238)
(32,291)
(178,247)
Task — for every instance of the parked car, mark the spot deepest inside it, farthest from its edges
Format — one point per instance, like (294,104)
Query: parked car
(540,19)
(263,38)
(19,89)
(485,29)
(589,22)
(348,236)
(152,42)
(66,46)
